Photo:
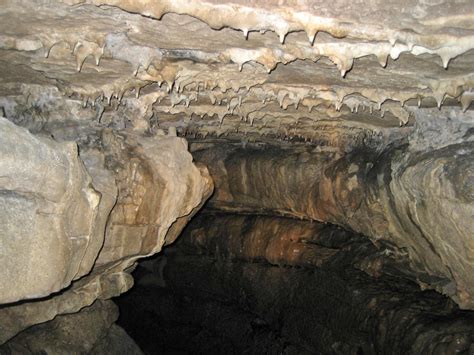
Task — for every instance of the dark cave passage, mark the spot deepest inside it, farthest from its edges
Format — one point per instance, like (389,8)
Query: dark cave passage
(246,284)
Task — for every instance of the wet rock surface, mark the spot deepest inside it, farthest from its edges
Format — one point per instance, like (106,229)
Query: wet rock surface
(241,66)
(212,292)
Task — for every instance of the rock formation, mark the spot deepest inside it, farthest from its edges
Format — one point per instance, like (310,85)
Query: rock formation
(356,114)
(398,193)
(74,224)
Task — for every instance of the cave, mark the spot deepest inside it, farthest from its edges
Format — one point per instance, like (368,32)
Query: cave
(236,177)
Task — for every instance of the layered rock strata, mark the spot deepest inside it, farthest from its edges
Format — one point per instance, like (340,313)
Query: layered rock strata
(415,192)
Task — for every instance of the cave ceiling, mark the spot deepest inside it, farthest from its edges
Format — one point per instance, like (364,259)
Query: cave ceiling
(239,68)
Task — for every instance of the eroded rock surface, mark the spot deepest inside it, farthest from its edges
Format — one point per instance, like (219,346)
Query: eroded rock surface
(353,113)
(413,192)
(65,219)
(44,187)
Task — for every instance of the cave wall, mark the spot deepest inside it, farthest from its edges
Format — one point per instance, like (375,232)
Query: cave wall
(330,111)
(77,223)
(415,192)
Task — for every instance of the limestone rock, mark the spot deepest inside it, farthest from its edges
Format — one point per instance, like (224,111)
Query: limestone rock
(147,187)
(416,194)
(358,115)
(226,63)
(44,187)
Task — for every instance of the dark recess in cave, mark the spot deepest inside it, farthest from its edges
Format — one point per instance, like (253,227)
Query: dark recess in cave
(213,293)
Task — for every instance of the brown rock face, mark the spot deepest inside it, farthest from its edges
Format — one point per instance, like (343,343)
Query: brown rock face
(352,113)
(394,193)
